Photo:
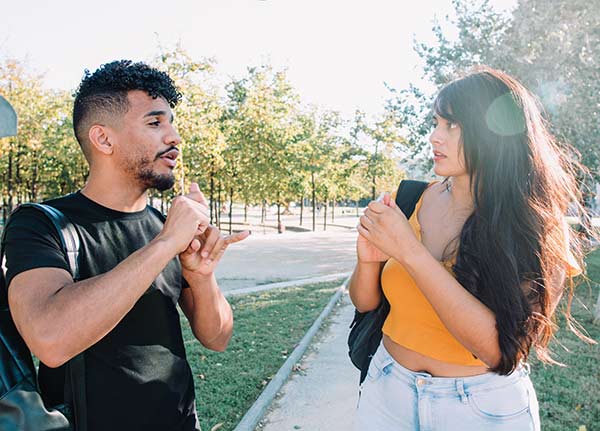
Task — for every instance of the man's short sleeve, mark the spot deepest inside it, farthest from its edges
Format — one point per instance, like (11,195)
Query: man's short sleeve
(31,242)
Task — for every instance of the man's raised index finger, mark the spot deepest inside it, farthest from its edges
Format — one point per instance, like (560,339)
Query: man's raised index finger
(237,237)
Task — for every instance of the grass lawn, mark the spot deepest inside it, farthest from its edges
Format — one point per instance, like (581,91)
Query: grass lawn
(267,328)
(569,396)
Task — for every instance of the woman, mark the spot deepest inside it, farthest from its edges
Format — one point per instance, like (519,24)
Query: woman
(474,276)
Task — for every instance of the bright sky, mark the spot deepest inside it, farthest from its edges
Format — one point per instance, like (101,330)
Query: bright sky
(338,53)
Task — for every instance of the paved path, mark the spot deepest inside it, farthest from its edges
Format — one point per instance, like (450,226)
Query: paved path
(262,259)
(322,395)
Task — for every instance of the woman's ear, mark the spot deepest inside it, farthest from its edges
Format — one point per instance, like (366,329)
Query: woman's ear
(100,140)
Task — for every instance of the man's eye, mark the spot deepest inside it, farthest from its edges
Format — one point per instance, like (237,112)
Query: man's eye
(452,125)
(155,123)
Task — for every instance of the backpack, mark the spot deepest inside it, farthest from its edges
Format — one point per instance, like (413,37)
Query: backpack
(365,329)
(21,405)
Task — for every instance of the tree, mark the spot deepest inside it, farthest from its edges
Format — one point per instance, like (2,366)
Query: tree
(43,159)
(552,46)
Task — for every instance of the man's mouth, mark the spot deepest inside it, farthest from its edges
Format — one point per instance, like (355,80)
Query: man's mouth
(170,157)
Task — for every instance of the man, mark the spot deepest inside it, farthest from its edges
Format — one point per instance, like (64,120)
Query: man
(135,267)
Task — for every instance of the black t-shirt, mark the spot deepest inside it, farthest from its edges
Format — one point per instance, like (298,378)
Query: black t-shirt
(137,376)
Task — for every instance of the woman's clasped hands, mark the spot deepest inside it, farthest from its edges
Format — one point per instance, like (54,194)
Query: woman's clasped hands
(384,232)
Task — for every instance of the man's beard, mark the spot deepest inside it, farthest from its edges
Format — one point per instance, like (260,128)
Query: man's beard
(151,180)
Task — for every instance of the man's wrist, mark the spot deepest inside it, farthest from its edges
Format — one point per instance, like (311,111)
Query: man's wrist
(195,278)
(165,244)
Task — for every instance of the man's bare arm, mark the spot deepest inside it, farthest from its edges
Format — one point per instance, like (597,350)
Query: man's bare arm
(59,318)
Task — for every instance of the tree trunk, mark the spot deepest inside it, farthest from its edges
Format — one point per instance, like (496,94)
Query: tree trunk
(245,212)
(357,215)
(314,202)
(373,188)
(230,209)
(301,207)
(325,205)
(333,211)
(212,189)
(263,212)
(597,312)
(9,189)
(162,202)
(219,204)
(33,189)
(279,226)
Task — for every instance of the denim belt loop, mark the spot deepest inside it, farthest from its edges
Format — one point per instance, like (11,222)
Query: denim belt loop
(460,388)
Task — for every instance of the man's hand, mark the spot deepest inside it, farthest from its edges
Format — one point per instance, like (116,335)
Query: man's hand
(187,218)
(207,245)
(205,251)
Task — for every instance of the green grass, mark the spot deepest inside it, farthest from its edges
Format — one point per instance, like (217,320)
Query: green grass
(268,326)
(569,396)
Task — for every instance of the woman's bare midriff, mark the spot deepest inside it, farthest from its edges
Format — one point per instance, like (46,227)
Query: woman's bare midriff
(417,362)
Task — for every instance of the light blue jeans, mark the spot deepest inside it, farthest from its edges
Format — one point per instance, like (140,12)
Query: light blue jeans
(394,398)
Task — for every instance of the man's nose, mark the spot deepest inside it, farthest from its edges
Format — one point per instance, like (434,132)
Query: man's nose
(173,137)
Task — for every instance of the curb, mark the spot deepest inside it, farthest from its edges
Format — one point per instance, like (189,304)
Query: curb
(283,284)
(257,411)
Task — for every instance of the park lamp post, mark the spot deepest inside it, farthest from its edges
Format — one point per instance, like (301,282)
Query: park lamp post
(8,127)
(8,119)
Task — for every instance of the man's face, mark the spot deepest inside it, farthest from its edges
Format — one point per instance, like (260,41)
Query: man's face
(147,141)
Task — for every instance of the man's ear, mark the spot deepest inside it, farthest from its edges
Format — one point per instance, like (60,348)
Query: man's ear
(100,140)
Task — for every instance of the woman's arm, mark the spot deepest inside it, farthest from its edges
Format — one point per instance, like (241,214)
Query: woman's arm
(364,287)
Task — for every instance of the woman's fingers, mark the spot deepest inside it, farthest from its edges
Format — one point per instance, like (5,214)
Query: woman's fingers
(365,221)
(362,231)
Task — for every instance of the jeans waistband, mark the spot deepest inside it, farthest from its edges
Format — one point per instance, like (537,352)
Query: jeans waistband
(385,363)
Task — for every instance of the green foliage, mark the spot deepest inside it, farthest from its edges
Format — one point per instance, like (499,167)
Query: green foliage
(252,141)
(44,159)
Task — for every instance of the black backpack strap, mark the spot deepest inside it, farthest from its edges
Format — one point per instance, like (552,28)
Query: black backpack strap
(67,234)
(409,193)
(75,391)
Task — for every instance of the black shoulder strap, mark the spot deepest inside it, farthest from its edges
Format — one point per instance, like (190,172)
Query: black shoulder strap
(70,243)
(66,232)
(409,193)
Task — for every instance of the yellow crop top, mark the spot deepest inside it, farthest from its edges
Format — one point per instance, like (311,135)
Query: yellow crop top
(412,321)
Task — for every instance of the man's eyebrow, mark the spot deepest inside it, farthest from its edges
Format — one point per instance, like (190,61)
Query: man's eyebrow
(159,113)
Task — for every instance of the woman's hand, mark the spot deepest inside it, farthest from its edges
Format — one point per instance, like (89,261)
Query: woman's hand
(385,228)
(367,252)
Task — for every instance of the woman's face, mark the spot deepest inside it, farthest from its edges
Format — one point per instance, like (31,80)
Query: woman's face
(448,155)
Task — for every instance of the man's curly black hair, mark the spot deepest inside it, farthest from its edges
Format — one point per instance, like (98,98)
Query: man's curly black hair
(104,92)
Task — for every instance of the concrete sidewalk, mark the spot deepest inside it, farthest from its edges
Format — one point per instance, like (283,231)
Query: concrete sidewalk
(322,394)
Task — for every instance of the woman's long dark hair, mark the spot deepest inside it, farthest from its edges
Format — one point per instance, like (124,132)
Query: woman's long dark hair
(512,251)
